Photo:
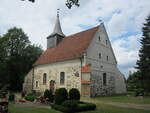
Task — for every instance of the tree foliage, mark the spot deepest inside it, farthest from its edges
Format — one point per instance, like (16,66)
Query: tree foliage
(143,64)
(16,58)
(69,3)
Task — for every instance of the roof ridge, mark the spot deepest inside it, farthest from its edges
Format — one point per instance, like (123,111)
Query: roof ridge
(83,31)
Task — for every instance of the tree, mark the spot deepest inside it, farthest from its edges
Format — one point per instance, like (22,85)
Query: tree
(143,64)
(16,57)
(133,81)
(69,3)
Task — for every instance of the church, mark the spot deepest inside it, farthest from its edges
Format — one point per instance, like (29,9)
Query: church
(84,60)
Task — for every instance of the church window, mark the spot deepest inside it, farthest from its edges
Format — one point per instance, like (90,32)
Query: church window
(106,42)
(44,78)
(100,55)
(36,84)
(62,77)
(107,58)
(99,38)
(104,78)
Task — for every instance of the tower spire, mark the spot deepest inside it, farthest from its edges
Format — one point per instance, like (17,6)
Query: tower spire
(57,29)
(57,35)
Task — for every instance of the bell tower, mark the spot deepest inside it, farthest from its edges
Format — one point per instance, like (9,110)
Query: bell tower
(57,35)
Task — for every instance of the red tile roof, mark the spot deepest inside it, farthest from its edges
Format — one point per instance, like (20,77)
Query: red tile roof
(85,82)
(86,68)
(69,48)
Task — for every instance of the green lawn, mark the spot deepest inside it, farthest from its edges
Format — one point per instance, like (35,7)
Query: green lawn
(100,109)
(34,110)
(112,109)
(125,99)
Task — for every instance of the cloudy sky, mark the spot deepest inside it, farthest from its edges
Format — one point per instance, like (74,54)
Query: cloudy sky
(123,20)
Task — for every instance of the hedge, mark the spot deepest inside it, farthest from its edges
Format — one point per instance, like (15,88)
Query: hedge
(66,108)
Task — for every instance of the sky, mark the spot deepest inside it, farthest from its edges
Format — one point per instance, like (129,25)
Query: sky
(123,20)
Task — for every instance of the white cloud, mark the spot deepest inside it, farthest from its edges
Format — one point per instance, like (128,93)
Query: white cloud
(37,20)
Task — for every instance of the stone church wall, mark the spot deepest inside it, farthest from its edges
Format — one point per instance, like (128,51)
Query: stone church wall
(72,69)
(102,65)
(27,86)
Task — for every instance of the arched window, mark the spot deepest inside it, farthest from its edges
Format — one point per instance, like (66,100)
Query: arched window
(36,84)
(104,79)
(62,77)
(99,38)
(44,78)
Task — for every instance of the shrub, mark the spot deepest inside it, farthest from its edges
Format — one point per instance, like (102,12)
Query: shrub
(61,95)
(74,94)
(70,105)
(30,98)
(86,107)
(11,97)
(49,94)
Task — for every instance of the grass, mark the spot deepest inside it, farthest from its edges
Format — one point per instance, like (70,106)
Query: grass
(100,109)
(124,99)
(112,109)
(34,110)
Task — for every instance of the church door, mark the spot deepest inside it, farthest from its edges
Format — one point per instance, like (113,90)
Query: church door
(52,85)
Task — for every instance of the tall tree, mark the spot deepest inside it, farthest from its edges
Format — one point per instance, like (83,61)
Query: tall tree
(18,55)
(143,64)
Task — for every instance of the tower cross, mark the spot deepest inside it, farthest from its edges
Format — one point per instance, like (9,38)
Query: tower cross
(58,12)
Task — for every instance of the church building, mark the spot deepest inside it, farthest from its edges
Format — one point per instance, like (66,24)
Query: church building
(84,60)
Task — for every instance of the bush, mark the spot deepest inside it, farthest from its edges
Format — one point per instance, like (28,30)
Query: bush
(11,97)
(30,98)
(70,105)
(84,106)
(74,94)
(60,96)
(49,94)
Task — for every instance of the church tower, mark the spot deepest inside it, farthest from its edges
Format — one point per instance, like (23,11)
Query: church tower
(57,34)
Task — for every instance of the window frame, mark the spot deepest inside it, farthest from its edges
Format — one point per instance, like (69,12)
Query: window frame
(62,78)
(44,78)
(100,56)
(99,38)
(106,42)
(107,58)
(36,84)
(104,79)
